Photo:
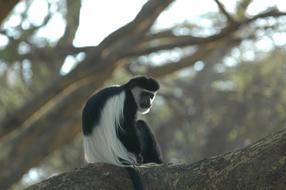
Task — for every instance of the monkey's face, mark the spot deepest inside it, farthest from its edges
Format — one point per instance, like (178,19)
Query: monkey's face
(144,99)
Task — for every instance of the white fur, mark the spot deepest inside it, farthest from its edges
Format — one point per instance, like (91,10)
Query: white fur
(103,145)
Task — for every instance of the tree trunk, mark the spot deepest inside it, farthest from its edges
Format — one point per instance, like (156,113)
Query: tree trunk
(259,166)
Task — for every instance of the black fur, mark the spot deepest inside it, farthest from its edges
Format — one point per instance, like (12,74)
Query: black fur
(128,136)
(146,83)
(135,178)
(149,147)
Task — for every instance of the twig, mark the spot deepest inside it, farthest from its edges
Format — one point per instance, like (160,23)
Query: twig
(223,10)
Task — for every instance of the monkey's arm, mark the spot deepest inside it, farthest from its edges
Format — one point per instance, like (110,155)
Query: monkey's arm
(150,148)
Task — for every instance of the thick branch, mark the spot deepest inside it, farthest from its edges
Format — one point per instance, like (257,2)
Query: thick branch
(140,25)
(6,7)
(72,19)
(241,8)
(259,166)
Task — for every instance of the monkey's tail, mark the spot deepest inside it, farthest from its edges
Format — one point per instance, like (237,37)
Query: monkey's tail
(135,178)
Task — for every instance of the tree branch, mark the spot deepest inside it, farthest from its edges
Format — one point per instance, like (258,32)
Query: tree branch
(259,166)
(241,8)
(6,7)
(223,10)
(188,40)
(72,18)
(269,13)
(201,53)
(187,61)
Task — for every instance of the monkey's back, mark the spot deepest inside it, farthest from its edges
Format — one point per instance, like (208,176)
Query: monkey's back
(92,110)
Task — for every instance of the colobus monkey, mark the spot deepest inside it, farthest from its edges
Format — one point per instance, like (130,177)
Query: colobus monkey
(112,133)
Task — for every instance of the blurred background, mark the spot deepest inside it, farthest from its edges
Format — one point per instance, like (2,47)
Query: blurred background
(221,66)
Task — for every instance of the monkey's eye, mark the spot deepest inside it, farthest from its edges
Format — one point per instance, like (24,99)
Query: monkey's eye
(147,94)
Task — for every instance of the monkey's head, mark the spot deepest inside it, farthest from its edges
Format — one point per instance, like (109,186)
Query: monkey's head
(144,91)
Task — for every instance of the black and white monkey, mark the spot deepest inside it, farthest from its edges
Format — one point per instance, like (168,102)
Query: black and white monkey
(112,133)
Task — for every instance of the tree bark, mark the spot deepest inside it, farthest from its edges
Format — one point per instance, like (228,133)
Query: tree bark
(6,7)
(258,166)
